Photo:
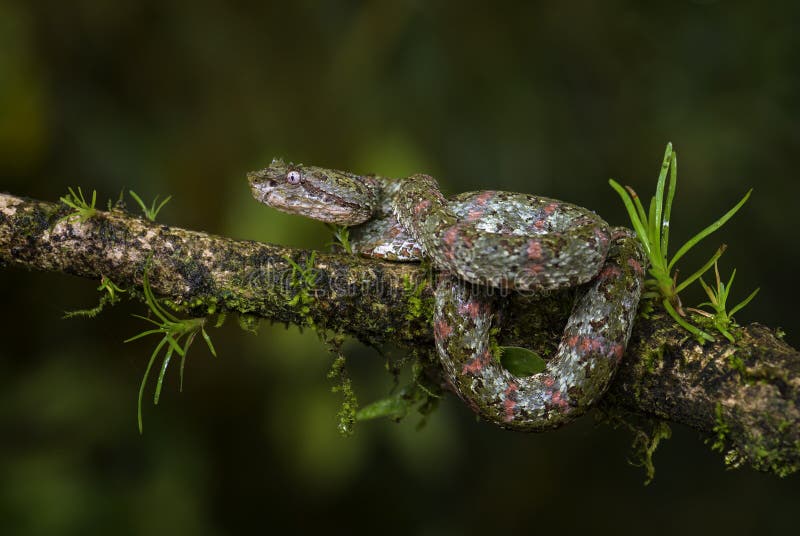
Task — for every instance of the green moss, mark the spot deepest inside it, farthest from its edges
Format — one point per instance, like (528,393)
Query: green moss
(720,429)
(303,280)
(737,364)
(338,372)
(776,456)
(772,459)
(780,455)
(647,435)
(651,360)
(645,445)
(418,306)
(494,345)
(416,302)
(249,322)
(205,305)
(33,222)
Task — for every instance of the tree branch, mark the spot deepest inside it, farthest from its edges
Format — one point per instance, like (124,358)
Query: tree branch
(746,396)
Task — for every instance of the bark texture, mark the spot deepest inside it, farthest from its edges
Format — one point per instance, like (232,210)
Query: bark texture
(744,396)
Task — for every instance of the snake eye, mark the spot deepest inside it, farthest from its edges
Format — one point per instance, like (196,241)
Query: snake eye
(293,177)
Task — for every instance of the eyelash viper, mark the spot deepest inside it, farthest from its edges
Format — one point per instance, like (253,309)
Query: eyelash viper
(480,241)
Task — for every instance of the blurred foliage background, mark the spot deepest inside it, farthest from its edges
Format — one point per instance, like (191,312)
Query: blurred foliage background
(183,98)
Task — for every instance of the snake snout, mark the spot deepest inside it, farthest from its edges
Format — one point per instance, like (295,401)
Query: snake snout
(261,186)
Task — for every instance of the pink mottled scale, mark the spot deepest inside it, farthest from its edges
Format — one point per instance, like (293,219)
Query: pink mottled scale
(591,347)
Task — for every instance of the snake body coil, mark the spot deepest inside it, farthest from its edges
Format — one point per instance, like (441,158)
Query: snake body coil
(488,239)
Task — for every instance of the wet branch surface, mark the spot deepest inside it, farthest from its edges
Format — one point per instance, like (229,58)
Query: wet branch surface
(743,396)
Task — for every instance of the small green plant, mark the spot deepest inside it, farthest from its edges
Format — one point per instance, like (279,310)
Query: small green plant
(303,280)
(173,330)
(718,298)
(111,204)
(652,228)
(152,212)
(341,235)
(82,210)
(111,297)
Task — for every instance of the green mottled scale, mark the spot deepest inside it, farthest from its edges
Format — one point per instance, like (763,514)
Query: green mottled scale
(490,239)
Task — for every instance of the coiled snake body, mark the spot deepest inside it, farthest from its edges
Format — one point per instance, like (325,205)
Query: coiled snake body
(488,239)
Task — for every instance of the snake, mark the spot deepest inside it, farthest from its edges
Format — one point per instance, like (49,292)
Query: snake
(478,242)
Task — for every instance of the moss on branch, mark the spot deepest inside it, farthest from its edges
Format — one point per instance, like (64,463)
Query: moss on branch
(744,396)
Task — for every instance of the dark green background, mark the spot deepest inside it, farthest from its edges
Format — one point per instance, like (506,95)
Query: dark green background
(554,98)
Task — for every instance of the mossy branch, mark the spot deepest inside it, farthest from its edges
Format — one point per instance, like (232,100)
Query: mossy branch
(745,396)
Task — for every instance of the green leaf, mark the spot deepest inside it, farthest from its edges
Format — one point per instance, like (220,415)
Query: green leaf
(727,334)
(152,212)
(138,199)
(162,373)
(636,221)
(744,302)
(174,344)
(654,230)
(710,293)
(703,269)
(143,334)
(393,407)
(665,222)
(208,342)
(174,331)
(725,290)
(659,198)
(521,361)
(639,206)
(144,382)
(697,332)
(158,209)
(708,230)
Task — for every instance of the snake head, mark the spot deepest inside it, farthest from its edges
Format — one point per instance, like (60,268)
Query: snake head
(326,195)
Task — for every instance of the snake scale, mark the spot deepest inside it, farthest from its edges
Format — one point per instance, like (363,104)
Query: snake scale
(479,241)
